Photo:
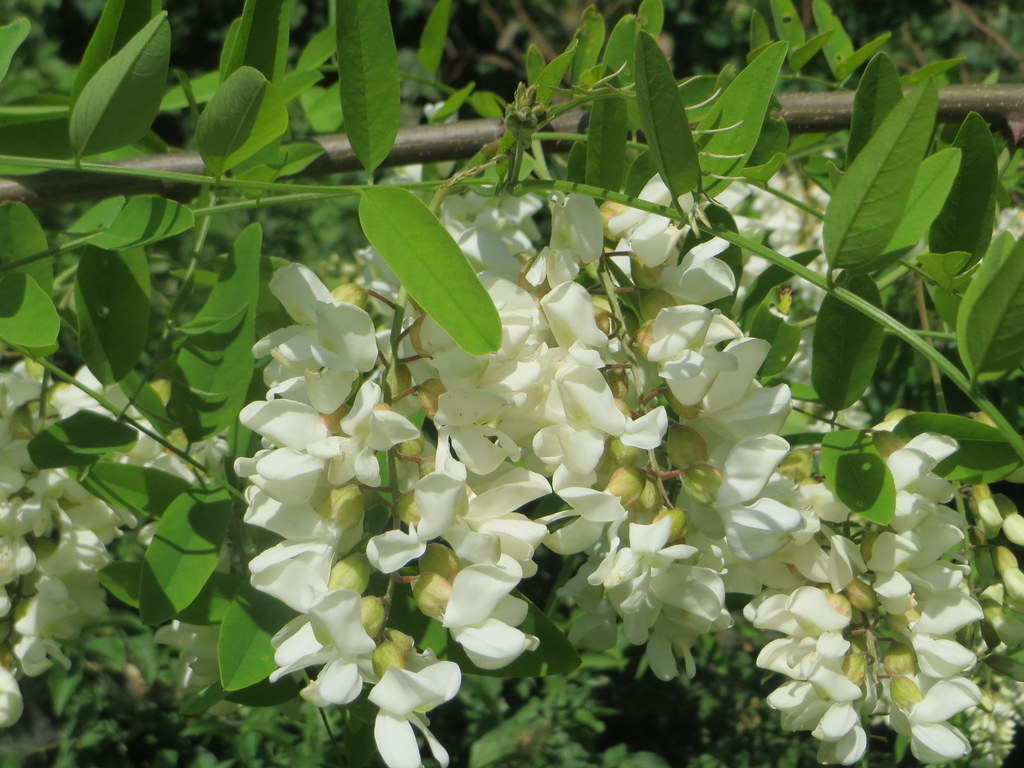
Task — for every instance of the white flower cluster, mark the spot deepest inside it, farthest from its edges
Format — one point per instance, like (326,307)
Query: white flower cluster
(622,400)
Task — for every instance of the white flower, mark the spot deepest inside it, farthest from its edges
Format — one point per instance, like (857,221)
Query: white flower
(651,237)
(932,739)
(11,704)
(403,695)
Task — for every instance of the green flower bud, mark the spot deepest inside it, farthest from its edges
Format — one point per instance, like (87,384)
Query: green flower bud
(388,654)
(1005,560)
(350,293)
(678,518)
(797,465)
(685,446)
(406,509)
(861,596)
(683,412)
(900,660)
(650,502)
(644,276)
(618,383)
(353,572)
(628,484)
(432,593)
(653,300)
(441,560)
(372,613)
(414,447)
(429,391)
(619,454)
(886,443)
(343,506)
(701,482)
(1013,580)
(855,668)
(645,338)
(905,693)
(841,605)
(1013,528)
(867,544)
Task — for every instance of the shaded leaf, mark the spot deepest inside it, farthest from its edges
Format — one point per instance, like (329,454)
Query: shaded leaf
(433,37)
(79,440)
(146,491)
(120,20)
(858,475)
(799,57)
(261,39)
(183,553)
(27,314)
(12,35)
(245,656)
(118,104)
(862,54)
(590,37)
(932,183)
(121,579)
(606,144)
(21,237)
(877,93)
(431,266)
(145,219)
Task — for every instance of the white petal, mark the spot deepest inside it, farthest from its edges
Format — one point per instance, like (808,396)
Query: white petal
(396,741)
(284,422)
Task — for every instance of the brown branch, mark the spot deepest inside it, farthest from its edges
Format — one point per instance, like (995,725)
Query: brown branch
(803,113)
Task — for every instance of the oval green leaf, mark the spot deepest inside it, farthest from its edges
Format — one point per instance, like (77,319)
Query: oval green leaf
(245,115)
(368,76)
(118,23)
(146,219)
(868,202)
(244,653)
(663,117)
(12,35)
(932,183)
(27,314)
(435,32)
(183,554)
(261,38)
(80,440)
(606,144)
(431,267)
(858,475)
(118,104)
(146,491)
(112,302)
(21,237)
(845,346)
(990,321)
(877,93)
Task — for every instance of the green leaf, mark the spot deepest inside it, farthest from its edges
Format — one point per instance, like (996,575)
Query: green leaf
(741,109)
(146,491)
(983,455)
(965,222)
(213,600)
(606,144)
(213,368)
(787,23)
(79,440)
(368,75)
(21,237)
(839,47)
(932,183)
(846,346)
(435,32)
(620,52)
(100,216)
(1005,665)
(771,277)
(12,35)
(760,35)
(121,579)
(266,693)
(590,37)
(27,314)
(663,118)
(244,116)
(318,50)
(431,266)
(144,220)
(244,653)
(858,475)
(878,92)
(862,54)
(799,57)
(261,39)
(534,63)
(868,201)
(112,303)
(118,104)
(120,20)
(651,16)
(927,72)
(990,322)
(553,72)
(770,325)
(183,554)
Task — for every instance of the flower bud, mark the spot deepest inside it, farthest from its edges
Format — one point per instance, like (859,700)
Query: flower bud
(441,560)
(797,465)
(619,454)
(372,613)
(628,484)
(861,596)
(1008,626)
(653,300)
(353,572)
(388,654)
(900,660)
(644,276)
(840,604)
(886,443)
(432,593)
(1013,528)
(867,544)
(430,390)
(650,502)
(645,338)
(427,466)
(343,506)
(350,293)
(685,446)
(414,447)
(604,320)
(403,378)
(905,693)
(678,517)
(618,383)
(609,211)
(406,509)
(1013,580)
(1005,560)
(333,420)
(701,482)
(684,412)
(415,338)
(855,667)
